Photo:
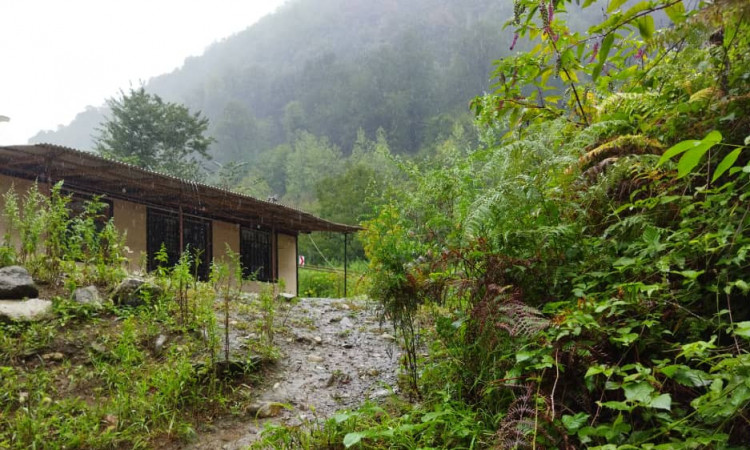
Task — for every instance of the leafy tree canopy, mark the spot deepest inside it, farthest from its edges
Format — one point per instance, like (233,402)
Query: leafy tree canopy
(146,131)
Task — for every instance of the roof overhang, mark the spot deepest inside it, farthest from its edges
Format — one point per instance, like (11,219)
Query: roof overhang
(92,173)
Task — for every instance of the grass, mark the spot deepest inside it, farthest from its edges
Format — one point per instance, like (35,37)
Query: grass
(329,282)
(91,378)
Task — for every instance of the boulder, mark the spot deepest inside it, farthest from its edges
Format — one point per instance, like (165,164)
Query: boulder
(16,283)
(88,295)
(25,311)
(133,290)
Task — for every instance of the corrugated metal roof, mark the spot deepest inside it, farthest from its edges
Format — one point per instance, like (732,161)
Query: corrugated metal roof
(93,173)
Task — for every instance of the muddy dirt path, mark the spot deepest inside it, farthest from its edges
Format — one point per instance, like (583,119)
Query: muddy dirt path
(334,355)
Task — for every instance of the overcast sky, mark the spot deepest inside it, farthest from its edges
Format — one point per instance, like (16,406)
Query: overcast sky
(58,56)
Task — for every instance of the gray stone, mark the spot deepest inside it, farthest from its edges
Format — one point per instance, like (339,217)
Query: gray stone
(159,343)
(56,356)
(88,295)
(315,358)
(346,323)
(25,311)
(132,290)
(16,283)
(380,393)
(98,348)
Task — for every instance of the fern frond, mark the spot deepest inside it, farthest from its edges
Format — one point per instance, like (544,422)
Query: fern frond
(629,144)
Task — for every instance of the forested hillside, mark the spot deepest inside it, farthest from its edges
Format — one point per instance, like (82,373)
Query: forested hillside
(331,67)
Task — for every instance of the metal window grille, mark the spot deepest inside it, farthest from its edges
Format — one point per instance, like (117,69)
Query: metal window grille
(164,229)
(255,254)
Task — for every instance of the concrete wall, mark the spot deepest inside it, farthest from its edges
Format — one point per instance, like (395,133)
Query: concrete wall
(225,233)
(130,218)
(287,261)
(20,186)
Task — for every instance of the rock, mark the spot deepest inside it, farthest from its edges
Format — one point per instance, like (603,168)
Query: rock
(16,283)
(22,397)
(133,290)
(373,372)
(303,339)
(315,358)
(25,311)
(264,409)
(56,356)
(346,323)
(347,345)
(318,340)
(380,393)
(98,348)
(159,343)
(285,296)
(88,295)
(387,337)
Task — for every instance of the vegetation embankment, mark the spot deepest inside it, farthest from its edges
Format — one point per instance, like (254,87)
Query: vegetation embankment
(144,371)
(580,278)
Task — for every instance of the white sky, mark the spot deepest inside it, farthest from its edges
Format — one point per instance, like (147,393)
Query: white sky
(58,56)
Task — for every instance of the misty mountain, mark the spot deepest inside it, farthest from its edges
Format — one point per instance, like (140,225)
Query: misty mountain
(331,67)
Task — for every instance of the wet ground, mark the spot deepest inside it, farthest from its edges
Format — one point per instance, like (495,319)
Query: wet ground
(334,355)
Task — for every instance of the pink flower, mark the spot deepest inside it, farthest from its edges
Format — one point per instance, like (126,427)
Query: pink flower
(551,10)
(595,53)
(515,39)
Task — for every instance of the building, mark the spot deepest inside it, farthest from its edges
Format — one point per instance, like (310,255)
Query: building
(155,209)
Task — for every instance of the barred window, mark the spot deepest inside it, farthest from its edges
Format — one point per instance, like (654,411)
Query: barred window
(164,229)
(255,254)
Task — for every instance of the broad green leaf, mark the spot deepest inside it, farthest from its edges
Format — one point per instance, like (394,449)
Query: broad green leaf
(343,417)
(676,149)
(686,376)
(692,157)
(742,329)
(713,137)
(664,401)
(726,163)
(523,356)
(353,438)
(574,423)
(429,417)
(619,406)
(676,12)
(691,274)
(646,27)
(638,392)
(606,47)
(614,4)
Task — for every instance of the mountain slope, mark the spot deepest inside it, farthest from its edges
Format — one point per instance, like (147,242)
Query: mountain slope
(331,67)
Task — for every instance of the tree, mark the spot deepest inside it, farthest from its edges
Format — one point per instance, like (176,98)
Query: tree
(146,131)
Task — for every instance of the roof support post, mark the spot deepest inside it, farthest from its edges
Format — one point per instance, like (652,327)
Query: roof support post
(182,233)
